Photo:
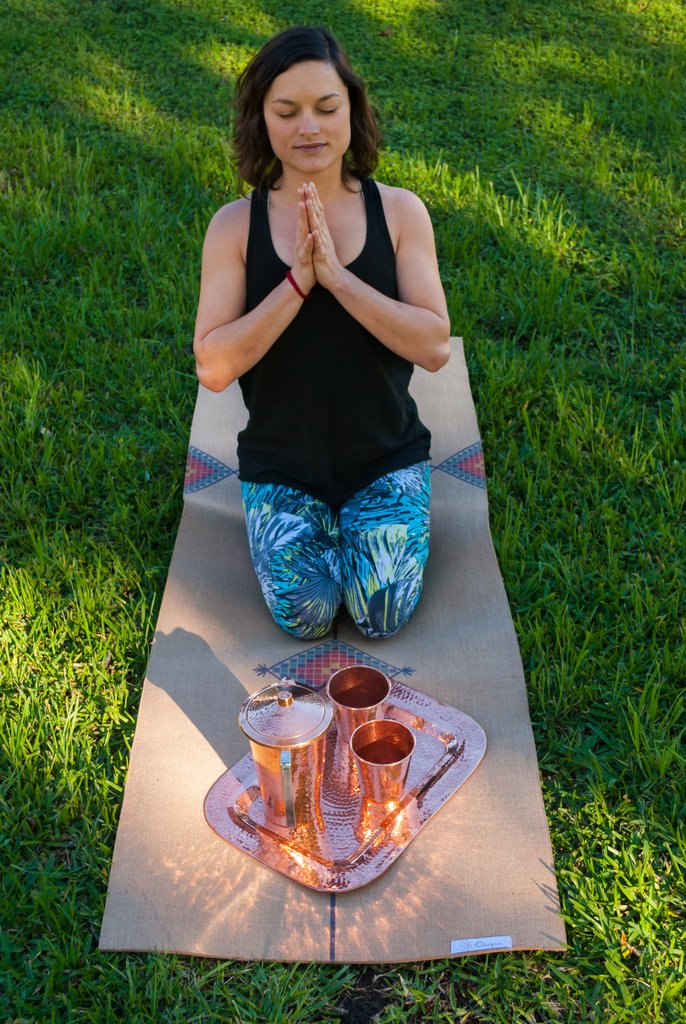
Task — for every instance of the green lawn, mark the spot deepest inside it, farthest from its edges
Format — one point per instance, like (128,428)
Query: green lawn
(548,140)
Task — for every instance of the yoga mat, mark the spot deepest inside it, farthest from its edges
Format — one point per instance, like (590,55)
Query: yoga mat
(478,877)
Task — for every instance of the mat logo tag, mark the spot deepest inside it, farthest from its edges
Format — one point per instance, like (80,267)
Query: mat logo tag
(482,945)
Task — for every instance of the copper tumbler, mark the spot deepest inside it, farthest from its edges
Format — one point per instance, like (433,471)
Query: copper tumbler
(357,694)
(382,750)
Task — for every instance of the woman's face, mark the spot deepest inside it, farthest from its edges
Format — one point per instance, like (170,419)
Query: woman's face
(307,114)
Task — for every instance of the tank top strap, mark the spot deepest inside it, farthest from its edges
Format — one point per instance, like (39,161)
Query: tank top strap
(260,251)
(379,235)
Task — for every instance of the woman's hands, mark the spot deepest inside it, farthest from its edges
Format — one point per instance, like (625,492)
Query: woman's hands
(315,257)
(303,266)
(327,266)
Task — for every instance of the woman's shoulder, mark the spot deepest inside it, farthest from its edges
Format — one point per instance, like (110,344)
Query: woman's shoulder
(401,199)
(403,209)
(231,216)
(229,226)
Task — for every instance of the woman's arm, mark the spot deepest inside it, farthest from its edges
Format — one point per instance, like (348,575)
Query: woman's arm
(416,325)
(228,341)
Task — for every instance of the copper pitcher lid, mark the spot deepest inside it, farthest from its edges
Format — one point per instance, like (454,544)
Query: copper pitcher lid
(285,714)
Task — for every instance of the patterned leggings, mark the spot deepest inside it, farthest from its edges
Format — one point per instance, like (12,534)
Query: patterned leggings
(370,553)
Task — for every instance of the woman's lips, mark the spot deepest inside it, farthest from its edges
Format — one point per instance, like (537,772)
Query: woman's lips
(311,147)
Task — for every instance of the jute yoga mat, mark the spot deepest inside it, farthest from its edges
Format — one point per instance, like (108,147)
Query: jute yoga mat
(479,876)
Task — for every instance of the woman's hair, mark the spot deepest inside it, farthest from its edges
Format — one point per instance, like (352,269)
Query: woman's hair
(255,159)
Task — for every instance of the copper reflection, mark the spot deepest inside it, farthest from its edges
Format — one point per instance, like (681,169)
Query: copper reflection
(352,840)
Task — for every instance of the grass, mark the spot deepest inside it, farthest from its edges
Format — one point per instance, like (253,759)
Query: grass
(548,141)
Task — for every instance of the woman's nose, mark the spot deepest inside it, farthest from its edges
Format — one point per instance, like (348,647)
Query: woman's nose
(309,124)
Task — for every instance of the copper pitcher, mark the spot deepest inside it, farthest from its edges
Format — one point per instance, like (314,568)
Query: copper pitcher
(286,725)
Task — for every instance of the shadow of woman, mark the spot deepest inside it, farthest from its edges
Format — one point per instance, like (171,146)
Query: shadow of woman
(202,687)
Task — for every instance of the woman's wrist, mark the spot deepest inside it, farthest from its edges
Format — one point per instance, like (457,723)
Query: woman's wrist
(302,292)
(338,279)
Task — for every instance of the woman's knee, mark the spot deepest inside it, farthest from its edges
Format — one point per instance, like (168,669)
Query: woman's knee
(386,610)
(305,629)
(293,540)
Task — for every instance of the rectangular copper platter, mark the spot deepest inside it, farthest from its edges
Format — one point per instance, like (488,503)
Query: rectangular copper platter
(352,841)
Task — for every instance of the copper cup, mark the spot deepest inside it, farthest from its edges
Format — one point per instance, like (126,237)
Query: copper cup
(382,750)
(357,694)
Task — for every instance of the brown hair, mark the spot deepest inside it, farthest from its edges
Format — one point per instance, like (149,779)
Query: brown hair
(255,159)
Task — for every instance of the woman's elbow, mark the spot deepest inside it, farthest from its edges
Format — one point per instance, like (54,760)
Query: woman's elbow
(437,356)
(207,380)
(209,373)
(211,379)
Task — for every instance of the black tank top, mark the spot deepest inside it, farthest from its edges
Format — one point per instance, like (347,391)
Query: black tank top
(329,409)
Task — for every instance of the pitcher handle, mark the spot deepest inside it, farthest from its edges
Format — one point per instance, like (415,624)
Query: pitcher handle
(287,786)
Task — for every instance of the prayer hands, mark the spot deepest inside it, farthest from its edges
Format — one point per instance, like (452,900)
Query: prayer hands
(315,253)
(326,263)
(303,267)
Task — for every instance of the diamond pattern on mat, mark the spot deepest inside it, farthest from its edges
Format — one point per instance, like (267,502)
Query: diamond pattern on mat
(314,666)
(203,470)
(467,465)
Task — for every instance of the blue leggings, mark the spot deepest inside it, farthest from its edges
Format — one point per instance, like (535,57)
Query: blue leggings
(370,553)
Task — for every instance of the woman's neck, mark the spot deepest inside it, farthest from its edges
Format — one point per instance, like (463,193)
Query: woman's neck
(330,185)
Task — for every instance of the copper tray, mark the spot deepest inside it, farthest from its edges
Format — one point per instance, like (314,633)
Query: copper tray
(353,840)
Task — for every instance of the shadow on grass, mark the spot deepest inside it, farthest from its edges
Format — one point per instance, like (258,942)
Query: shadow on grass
(522,95)
(435,66)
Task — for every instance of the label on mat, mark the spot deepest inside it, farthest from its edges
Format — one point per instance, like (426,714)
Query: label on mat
(488,942)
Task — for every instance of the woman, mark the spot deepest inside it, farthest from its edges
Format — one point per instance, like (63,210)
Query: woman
(319,292)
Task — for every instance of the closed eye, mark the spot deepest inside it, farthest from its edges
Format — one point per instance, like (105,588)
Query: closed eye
(284,117)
